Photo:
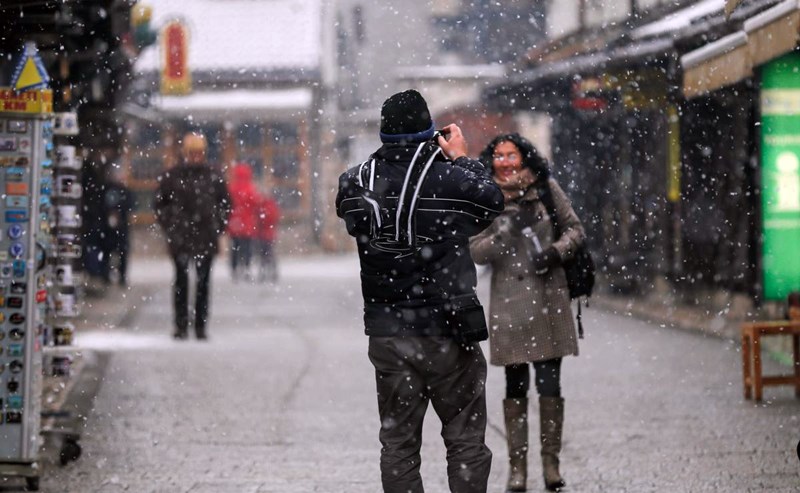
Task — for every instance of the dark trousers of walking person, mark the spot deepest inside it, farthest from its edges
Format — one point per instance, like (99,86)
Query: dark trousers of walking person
(241,253)
(268,262)
(202,265)
(122,266)
(412,371)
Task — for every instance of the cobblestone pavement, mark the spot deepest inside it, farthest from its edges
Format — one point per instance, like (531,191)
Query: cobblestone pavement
(281,399)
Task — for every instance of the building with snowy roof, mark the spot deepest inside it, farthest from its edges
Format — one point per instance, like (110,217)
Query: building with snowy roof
(255,70)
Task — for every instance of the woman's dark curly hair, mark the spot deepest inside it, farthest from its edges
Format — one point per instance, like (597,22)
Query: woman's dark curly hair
(531,158)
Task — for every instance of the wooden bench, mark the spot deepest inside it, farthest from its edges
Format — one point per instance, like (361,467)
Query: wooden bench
(754,381)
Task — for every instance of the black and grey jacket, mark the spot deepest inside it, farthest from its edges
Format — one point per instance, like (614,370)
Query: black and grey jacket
(412,226)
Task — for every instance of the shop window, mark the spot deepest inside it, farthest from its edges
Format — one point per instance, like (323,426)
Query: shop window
(284,164)
(250,146)
(145,152)
(285,152)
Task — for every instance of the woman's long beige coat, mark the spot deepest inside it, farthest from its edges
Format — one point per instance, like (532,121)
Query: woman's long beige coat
(530,318)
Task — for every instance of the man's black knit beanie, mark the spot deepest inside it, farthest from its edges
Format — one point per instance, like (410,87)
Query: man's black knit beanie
(405,118)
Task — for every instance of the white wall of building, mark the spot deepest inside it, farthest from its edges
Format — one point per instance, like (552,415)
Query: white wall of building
(600,13)
(563,18)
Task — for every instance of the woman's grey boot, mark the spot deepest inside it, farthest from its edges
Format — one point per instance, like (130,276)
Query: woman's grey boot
(516,414)
(551,419)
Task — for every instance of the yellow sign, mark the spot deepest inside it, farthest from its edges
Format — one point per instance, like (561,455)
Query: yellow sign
(176,79)
(673,155)
(30,72)
(37,101)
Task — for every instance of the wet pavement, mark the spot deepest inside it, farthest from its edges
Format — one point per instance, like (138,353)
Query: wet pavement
(281,399)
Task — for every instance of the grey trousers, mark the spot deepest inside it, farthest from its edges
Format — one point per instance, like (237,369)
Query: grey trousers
(412,371)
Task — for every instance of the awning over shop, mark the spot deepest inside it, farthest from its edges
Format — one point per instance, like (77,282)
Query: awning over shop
(236,103)
(588,64)
(766,36)
(774,32)
(715,65)
(679,19)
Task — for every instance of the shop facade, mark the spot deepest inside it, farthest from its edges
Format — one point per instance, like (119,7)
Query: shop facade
(663,158)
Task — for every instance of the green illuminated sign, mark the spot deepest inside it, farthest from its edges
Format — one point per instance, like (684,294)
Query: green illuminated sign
(780,171)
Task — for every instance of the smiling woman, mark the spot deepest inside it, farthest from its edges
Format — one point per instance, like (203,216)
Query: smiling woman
(506,160)
(530,302)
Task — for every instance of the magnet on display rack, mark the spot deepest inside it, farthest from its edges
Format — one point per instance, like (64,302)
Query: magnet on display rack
(19,268)
(69,187)
(64,275)
(15,174)
(66,157)
(18,188)
(16,216)
(17,201)
(63,334)
(67,246)
(65,124)
(65,305)
(67,216)
(46,186)
(17,126)
(8,144)
(15,231)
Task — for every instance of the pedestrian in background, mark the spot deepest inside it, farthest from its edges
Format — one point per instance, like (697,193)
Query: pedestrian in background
(192,207)
(118,207)
(269,216)
(530,315)
(242,225)
(412,207)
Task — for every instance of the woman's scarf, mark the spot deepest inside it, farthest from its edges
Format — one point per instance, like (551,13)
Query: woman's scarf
(515,187)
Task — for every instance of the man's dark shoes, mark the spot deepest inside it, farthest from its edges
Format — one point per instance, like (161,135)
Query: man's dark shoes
(180,335)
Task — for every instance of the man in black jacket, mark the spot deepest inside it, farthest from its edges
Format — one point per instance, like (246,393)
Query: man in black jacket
(192,206)
(412,207)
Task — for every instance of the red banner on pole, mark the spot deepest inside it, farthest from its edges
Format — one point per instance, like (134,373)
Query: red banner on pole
(176,79)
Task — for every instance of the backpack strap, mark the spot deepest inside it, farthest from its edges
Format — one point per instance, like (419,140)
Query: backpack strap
(546,195)
(406,203)
(370,196)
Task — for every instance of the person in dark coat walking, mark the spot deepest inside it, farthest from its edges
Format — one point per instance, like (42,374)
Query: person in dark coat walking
(118,207)
(531,319)
(412,207)
(192,207)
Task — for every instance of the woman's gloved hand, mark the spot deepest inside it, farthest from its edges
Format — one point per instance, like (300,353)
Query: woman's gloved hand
(543,261)
(505,226)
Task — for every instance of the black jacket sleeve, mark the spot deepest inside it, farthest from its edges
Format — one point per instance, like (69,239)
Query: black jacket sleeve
(351,206)
(483,199)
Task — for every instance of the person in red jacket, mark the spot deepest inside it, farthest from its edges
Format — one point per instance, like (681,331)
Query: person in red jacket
(269,217)
(242,223)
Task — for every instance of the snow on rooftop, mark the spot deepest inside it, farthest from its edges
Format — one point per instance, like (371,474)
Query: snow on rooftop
(242,34)
(679,19)
(492,71)
(237,100)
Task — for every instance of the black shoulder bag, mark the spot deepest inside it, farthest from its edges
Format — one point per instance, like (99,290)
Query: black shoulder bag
(580,269)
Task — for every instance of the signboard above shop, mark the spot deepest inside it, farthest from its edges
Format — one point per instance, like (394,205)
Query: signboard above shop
(35,101)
